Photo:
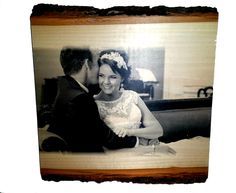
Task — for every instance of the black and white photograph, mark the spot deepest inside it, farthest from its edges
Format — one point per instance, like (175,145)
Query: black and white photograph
(123,96)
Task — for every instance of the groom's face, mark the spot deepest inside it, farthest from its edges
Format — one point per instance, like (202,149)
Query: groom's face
(92,73)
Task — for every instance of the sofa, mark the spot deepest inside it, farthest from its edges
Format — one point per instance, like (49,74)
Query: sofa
(180,119)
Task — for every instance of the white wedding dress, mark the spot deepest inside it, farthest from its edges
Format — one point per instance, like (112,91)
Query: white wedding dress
(121,113)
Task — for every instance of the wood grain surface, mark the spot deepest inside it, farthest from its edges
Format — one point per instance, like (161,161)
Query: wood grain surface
(154,176)
(103,20)
(188,166)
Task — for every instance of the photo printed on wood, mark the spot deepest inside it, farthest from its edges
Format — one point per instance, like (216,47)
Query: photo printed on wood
(124,93)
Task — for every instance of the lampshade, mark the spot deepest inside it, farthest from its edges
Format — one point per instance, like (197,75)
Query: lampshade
(146,75)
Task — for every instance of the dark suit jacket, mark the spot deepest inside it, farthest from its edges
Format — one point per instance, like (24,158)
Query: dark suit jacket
(77,121)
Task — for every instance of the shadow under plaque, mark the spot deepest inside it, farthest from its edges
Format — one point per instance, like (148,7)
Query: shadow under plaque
(172,54)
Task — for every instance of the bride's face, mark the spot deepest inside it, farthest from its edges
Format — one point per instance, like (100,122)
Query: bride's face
(109,81)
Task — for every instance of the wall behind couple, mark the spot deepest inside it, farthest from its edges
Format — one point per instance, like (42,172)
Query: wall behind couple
(183,54)
(47,66)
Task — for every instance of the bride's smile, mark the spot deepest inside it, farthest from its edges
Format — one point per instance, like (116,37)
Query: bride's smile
(109,81)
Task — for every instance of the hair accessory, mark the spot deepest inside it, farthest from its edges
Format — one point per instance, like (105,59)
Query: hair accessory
(116,57)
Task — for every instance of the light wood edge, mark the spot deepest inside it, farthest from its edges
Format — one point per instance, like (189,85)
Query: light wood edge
(105,20)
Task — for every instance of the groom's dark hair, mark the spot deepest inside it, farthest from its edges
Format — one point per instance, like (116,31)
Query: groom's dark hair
(73,59)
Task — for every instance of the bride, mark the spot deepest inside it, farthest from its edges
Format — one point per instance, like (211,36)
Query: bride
(123,110)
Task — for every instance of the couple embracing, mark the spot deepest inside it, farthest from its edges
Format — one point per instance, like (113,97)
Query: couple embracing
(113,119)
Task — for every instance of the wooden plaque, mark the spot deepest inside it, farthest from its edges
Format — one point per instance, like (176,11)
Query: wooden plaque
(176,44)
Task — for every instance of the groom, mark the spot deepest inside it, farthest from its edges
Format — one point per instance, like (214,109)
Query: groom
(75,114)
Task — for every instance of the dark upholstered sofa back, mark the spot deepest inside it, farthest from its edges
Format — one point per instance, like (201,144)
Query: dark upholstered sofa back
(182,118)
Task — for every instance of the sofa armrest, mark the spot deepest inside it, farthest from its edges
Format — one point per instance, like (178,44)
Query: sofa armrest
(50,142)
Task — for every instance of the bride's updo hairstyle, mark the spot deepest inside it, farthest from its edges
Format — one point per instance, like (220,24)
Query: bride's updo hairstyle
(118,61)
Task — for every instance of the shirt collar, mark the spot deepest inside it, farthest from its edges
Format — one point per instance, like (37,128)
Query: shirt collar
(83,87)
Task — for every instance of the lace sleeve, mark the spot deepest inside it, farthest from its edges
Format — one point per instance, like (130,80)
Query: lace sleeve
(134,96)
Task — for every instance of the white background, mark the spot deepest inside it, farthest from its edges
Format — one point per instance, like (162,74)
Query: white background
(19,160)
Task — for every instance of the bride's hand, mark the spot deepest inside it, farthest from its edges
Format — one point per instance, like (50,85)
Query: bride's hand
(121,132)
